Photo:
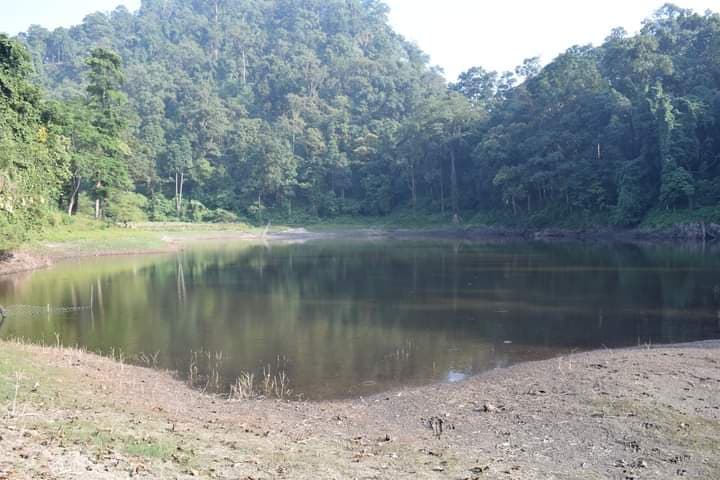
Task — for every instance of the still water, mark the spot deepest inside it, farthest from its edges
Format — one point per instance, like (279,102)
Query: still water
(351,318)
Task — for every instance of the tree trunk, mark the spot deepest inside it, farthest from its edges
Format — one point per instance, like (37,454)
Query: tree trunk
(453,182)
(244,68)
(182,183)
(259,202)
(442,195)
(413,190)
(98,186)
(74,196)
(216,48)
(179,181)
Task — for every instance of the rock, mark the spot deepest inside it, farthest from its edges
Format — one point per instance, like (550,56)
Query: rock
(489,408)
(479,470)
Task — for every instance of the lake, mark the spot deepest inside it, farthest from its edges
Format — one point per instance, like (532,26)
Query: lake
(342,318)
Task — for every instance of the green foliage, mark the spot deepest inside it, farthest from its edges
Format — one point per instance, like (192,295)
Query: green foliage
(220,216)
(309,110)
(126,207)
(659,218)
(33,153)
(161,209)
(677,187)
(607,133)
(251,107)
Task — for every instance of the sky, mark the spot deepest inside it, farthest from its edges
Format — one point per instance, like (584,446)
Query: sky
(457,34)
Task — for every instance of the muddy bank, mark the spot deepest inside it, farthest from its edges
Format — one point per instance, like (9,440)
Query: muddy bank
(17,262)
(638,413)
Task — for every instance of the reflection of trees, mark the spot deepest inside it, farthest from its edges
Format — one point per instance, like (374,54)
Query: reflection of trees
(343,314)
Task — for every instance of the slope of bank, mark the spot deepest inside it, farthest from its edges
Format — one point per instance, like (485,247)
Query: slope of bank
(100,239)
(609,414)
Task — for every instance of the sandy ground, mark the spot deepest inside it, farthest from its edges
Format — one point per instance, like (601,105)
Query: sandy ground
(626,414)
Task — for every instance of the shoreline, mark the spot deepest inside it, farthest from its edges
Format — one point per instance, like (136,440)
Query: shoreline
(631,413)
(164,238)
(627,413)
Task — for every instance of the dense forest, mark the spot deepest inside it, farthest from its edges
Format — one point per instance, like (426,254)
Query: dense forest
(298,110)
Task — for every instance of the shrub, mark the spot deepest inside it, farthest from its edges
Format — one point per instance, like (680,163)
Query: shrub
(125,207)
(220,215)
(161,209)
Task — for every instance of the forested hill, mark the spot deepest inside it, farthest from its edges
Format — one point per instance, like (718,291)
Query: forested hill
(304,109)
(285,105)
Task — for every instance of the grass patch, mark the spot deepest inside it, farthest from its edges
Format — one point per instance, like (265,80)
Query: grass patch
(149,448)
(91,435)
(14,362)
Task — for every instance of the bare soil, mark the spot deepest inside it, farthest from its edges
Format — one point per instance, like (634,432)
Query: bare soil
(16,262)
(626,414)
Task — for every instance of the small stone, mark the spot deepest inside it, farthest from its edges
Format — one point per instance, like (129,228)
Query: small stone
(479,470)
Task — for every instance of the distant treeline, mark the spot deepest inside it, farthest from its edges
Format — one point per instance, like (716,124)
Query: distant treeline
(214,110)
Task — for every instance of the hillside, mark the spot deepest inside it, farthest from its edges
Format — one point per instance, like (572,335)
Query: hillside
(254,104)
(295,111)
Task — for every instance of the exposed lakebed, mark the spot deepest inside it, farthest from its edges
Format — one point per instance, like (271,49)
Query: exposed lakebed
(344,318)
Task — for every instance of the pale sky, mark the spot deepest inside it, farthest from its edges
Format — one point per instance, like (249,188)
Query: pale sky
(458,34)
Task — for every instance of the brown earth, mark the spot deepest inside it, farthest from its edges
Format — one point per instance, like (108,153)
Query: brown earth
(640,413)
(16,262)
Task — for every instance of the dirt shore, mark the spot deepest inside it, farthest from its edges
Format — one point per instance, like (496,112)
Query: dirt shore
(46,254)
(641,413)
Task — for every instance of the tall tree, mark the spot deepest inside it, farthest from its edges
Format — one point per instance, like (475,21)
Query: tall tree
(105,102)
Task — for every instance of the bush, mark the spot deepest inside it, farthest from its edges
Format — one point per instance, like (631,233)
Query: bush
(196,212)
(220,215)
(161,209)
(125,207)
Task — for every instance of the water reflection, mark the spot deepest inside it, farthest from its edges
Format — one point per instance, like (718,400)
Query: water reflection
(354,318)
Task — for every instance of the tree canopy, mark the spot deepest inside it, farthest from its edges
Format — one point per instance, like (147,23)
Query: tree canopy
(305,109)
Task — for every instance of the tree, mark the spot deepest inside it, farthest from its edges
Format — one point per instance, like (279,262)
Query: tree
(180,157)
(318,108)
(105,103)
(33,152)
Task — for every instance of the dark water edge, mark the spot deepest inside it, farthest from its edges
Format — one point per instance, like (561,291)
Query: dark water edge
(345,318)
